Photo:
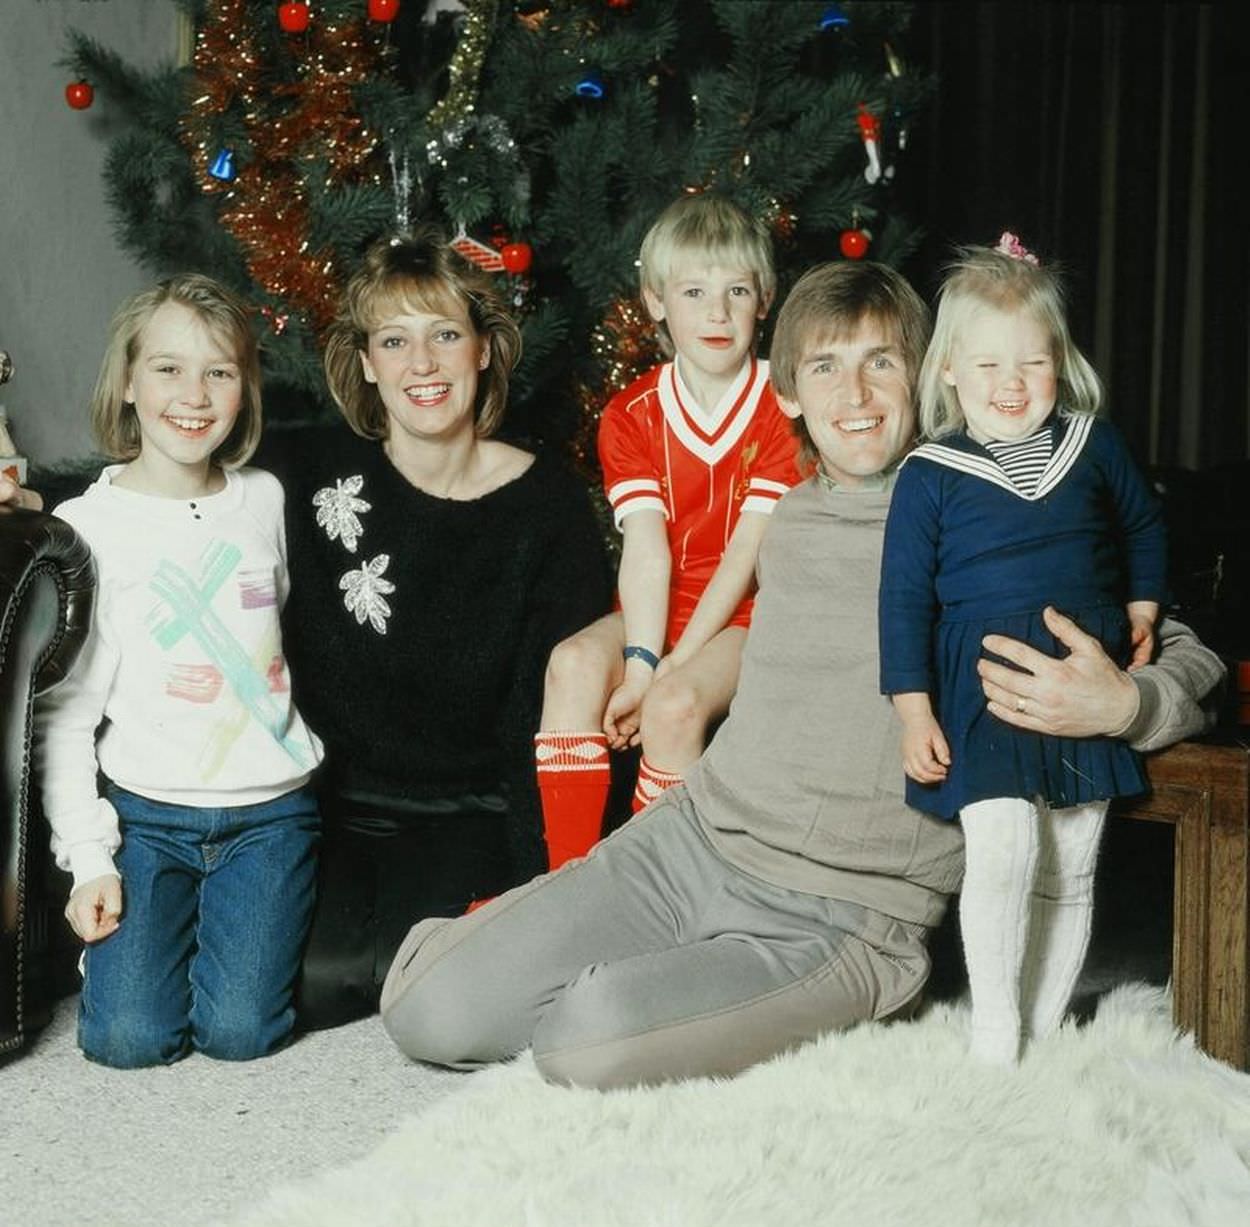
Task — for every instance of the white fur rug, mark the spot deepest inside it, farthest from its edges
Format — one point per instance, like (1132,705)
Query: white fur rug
(1117,1124)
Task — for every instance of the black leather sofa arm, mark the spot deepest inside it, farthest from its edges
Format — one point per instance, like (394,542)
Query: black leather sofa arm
(47,594)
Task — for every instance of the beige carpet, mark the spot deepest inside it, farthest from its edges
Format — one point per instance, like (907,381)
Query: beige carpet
(1115,1124)
(184,1146)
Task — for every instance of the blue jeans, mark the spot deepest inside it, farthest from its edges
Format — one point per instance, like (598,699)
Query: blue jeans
(215,908)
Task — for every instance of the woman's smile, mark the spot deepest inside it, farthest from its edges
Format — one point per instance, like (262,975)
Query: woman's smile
(426,367)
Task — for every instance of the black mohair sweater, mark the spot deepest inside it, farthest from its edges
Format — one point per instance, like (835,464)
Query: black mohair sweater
(431,688)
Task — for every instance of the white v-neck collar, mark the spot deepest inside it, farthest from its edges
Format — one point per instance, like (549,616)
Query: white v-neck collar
(711,436)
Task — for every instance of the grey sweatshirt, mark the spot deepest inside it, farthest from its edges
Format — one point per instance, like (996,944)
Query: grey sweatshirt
(802,785)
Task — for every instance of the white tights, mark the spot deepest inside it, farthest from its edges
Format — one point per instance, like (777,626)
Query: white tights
(1025,912)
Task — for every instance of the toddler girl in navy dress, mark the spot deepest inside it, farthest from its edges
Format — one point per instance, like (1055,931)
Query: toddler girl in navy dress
(1022,498)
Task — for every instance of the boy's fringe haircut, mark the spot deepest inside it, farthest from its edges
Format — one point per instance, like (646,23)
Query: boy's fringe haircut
(708,229)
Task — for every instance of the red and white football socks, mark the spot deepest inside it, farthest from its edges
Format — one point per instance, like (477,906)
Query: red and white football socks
(651,783)
(574,776)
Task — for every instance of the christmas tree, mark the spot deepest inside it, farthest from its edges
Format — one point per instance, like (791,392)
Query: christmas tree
(543,135)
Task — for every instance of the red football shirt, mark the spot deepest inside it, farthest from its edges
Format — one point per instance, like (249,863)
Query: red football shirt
(660,451)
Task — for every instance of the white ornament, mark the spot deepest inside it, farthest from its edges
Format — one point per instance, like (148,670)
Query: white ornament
(401,187)
(366,592)
(434,7)
(337,508)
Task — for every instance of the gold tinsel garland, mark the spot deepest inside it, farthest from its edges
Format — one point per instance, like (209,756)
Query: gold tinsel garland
(624,345)
(291,125)
(465,67)
(286,127)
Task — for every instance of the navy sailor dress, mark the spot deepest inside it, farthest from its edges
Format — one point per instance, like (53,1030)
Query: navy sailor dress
(968,554)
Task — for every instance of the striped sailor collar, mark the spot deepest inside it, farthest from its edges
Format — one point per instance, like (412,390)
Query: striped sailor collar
(1047,431)
(966,455)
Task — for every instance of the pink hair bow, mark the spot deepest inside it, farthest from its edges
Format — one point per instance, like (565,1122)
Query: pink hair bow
(1011,246)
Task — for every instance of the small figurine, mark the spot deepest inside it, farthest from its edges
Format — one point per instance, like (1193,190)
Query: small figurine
(11,464)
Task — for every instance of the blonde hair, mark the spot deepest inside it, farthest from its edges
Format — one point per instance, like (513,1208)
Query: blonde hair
(830,302)
(712,230)
(417,272)
(983,277)
(114,420)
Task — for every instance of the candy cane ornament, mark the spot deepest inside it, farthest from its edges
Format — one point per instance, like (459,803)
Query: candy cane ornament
(870,133)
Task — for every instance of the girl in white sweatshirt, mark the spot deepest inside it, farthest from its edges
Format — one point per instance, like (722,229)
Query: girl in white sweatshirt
(175,767)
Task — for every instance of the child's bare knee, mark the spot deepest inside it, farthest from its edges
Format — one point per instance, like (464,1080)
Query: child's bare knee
(673,709)
(572,662)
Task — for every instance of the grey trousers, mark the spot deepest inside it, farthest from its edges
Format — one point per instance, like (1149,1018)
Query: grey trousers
(651,959)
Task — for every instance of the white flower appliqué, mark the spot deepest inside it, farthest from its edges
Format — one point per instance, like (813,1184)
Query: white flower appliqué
(337,508)
(366,592)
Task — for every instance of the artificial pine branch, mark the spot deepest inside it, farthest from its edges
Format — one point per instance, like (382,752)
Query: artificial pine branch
(745,97)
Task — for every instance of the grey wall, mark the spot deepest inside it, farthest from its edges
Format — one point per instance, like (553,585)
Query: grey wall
(61,271)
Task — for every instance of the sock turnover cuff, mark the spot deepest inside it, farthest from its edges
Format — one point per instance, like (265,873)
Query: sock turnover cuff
(560,750)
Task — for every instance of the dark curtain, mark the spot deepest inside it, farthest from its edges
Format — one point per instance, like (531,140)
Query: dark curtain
(1112,139)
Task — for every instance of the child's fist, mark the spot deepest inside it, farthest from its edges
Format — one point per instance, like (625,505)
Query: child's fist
(926,756)
(1142,639)
(94,909)
(622,718)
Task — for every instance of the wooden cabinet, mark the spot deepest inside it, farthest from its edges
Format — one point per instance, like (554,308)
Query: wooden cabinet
(1203,790)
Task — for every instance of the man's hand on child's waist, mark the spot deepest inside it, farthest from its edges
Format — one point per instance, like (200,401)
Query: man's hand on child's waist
(1083,695)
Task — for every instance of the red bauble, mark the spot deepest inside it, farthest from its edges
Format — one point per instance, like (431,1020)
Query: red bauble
(517,257)
(294,16)
(79,95)
(383,10)
(854,244)
(620,4)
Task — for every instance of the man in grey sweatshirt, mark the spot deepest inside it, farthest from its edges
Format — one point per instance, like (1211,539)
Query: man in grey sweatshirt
(785,889)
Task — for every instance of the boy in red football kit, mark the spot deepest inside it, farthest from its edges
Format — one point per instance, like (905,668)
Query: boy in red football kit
(695,454)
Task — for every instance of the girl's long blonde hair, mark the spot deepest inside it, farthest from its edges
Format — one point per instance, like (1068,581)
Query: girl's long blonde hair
(985,277)
(113,418)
